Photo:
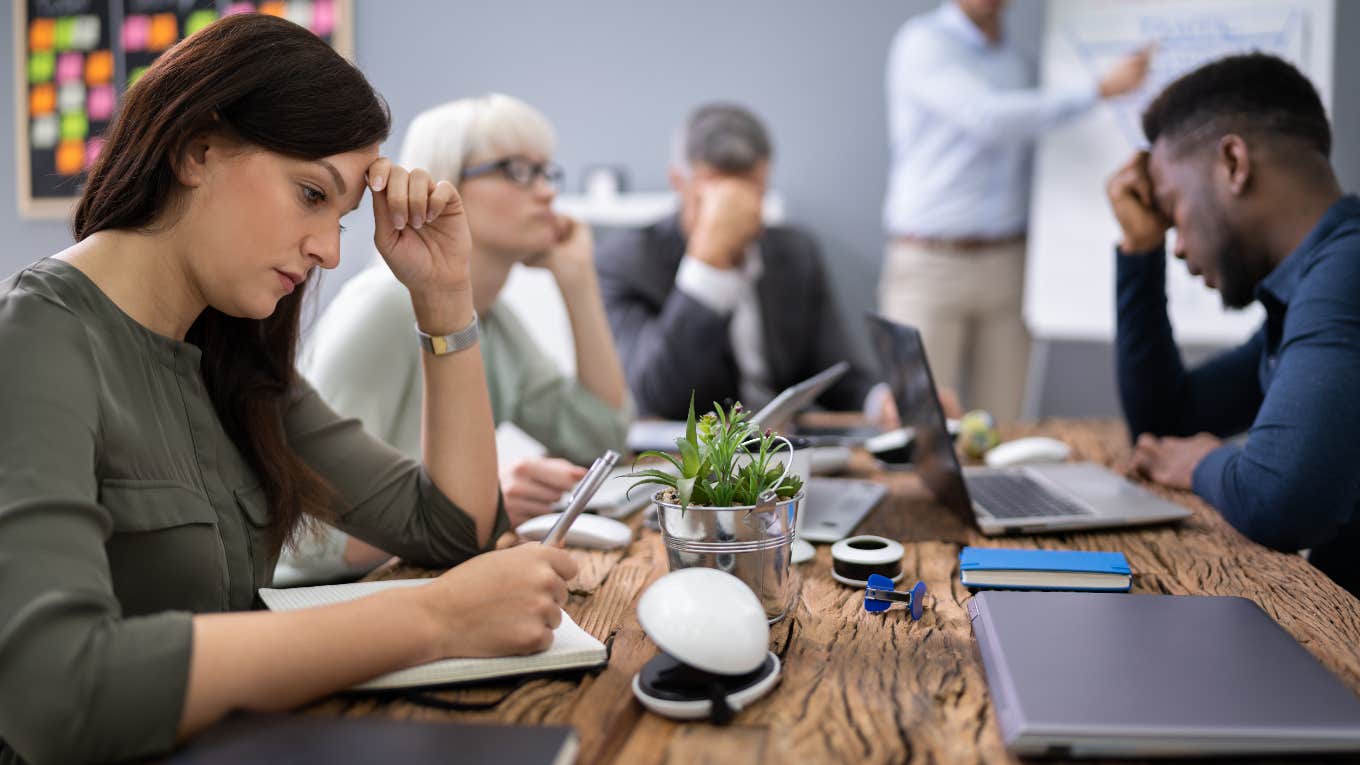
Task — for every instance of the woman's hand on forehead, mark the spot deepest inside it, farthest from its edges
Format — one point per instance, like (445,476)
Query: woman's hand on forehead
(419,227)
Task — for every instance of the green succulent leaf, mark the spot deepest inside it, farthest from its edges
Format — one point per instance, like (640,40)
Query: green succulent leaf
(685,488)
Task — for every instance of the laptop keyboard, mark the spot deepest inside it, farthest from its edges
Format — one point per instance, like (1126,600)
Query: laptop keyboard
(1015,495)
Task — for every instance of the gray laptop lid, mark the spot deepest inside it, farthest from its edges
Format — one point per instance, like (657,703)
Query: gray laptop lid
(781,410)
(906,370)
(1116,674)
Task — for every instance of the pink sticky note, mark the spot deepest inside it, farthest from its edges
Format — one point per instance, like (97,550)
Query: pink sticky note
(136,32)
(323,17)
(70,66)
(92,148)
(99,103)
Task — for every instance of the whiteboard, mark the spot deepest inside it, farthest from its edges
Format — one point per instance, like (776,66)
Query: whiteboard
(1069,287)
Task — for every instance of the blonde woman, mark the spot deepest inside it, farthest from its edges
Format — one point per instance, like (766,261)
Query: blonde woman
(498,151)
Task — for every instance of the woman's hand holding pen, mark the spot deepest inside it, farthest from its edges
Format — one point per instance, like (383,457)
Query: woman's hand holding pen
(421,231)
(500,603)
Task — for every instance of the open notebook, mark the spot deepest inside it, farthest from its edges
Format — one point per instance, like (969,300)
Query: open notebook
(572,648)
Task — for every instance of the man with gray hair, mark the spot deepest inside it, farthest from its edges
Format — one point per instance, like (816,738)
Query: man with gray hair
(711,300)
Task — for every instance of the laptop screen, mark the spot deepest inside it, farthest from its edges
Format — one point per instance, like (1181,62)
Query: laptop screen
(903,359)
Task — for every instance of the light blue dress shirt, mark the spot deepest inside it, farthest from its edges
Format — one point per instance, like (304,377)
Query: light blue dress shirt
(963,115)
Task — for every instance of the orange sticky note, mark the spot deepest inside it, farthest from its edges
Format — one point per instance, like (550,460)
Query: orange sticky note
(70,157)
(42,33)
(99,68)
(164,31)
(42,99)
(274,9)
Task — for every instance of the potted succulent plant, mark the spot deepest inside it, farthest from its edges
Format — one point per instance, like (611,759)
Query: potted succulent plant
(731,502)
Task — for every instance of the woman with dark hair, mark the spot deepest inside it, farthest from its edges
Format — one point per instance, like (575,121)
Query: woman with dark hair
(159,448)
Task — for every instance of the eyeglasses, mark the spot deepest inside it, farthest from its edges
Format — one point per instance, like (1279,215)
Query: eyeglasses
(518,170)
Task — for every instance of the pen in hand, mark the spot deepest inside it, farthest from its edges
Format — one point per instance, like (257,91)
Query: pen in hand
(581,495)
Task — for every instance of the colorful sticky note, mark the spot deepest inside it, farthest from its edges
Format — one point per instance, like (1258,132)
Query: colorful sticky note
(44,132)
(279,9)
(64,32)
(71,157)
(323,17)
(92,149)
(135,74)
(99,68)
(41,34)
(41,67)
(236,8)
(197,20)
(164,31)
(74,126)
(71,97)
(136,32)
(70,66)
(85,32)
(42,99)
(100,103)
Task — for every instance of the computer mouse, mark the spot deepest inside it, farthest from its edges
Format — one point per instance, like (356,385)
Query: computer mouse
(893,447)
(1028,451)
(593,531)
(827,460)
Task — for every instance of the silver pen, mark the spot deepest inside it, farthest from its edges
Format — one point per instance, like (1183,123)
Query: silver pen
(580,496)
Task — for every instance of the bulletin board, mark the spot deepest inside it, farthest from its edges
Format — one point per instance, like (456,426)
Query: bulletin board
(75,58)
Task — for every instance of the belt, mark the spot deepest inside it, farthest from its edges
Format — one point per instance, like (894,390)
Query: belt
(961,244)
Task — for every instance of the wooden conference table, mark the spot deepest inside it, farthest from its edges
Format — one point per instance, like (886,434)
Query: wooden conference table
(865,689)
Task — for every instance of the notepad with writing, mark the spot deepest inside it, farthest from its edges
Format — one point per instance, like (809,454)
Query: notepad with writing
(1016,569)
(572,648)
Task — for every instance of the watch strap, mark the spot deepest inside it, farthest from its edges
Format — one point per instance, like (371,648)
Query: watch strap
(442,345)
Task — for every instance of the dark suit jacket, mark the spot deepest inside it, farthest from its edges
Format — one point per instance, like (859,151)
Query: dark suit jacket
(672,343)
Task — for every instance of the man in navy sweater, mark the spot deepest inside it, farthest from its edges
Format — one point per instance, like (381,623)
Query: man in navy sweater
(1239,166)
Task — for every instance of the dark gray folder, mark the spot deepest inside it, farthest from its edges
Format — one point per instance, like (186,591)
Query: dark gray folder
(314,740)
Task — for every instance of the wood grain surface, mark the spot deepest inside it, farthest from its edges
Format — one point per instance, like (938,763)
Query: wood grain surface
(870,688)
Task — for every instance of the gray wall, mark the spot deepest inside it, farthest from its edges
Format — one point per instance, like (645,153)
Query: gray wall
(616,76)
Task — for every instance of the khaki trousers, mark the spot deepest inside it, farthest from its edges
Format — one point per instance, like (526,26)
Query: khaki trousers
(967,306)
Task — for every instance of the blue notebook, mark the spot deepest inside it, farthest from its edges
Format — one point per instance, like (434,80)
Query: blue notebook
(1012,569)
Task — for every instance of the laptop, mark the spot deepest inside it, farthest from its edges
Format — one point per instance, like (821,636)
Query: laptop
(1015,500)
(832,508)
(660,435)
(1079,674)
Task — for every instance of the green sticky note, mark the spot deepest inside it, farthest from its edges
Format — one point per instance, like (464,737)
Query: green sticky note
(74,126)
(136,74)
(41,67)
(197,20)
(65,35)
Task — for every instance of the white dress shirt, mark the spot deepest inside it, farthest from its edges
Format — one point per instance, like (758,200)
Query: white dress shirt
(732,291)
(963,116)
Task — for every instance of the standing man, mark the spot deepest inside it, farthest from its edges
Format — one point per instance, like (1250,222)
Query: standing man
(1239,166)
(963,116)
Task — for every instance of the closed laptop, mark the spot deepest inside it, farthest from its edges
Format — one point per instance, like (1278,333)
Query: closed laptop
(1081,674)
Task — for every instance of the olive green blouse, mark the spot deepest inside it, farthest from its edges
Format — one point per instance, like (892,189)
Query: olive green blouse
(125,508)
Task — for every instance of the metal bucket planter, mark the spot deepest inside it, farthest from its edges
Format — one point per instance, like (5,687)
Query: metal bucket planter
(752,542)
